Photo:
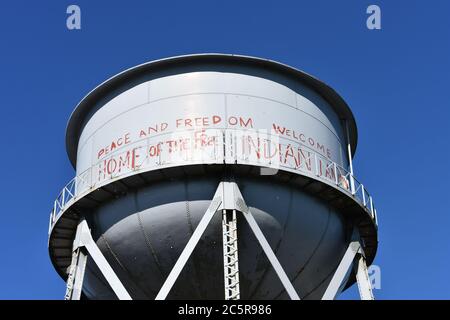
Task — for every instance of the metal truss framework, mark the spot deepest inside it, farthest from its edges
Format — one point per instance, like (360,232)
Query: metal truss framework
(229,201)
(227,198)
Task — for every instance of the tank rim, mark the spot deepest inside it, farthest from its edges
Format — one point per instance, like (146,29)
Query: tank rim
(82,111)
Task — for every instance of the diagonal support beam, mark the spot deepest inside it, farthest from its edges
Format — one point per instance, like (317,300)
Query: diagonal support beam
(190,246)
(83,240)
(271,256)
(345,266)
(239,204)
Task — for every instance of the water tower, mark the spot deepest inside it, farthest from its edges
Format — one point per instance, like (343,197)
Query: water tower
(212,176)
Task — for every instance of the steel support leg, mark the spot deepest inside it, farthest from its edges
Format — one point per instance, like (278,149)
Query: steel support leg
(362,278)
(76,269)
(76,275)
(79,278)
(83,241)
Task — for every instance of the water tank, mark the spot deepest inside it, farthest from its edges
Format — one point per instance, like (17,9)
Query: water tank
(150,147)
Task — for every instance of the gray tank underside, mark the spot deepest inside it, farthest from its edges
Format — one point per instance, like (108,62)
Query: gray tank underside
(143,233)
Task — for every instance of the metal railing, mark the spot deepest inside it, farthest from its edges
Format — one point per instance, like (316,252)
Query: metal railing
(227,143)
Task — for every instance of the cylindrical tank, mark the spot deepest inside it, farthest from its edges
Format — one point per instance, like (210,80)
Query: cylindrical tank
(150,146)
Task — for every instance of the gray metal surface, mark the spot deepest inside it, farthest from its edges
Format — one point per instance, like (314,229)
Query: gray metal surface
(308,86)
(143,233)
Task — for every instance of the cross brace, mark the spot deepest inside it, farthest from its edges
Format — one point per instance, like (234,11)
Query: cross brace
(227,197)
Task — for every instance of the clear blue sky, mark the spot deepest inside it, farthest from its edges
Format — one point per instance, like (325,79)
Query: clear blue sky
(396,81)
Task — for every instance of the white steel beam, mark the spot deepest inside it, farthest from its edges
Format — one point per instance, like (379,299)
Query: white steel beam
(74,277)
(362,278)
(345,266)
(354,259)
(84,239)
(271,256)
(190,246)
(79,278)
(77,268)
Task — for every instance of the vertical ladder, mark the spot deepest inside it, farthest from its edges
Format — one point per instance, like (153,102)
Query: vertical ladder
(230,255)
